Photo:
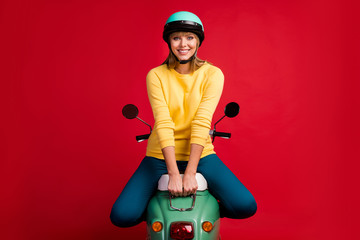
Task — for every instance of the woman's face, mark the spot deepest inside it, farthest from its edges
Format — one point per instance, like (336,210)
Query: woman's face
(183,44)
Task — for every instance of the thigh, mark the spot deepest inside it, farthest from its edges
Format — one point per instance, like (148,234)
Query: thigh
(133,200)
(233,196)
(144,180)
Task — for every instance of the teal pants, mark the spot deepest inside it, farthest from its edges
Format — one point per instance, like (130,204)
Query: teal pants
(235,200)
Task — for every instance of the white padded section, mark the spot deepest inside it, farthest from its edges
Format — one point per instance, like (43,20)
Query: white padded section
(164,181)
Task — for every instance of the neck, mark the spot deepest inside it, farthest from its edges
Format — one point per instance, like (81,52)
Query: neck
(183,68)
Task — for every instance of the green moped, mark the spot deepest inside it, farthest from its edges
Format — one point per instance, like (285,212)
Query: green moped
(193,217)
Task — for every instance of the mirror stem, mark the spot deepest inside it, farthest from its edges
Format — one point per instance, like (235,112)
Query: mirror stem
(218,122)
(145,123)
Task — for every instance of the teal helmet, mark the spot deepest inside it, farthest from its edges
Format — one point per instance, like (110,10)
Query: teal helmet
(183,22)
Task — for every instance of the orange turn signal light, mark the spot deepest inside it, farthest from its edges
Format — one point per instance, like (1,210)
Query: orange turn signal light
(207,226)
(157,226)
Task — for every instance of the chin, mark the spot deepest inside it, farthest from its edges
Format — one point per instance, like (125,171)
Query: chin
(184,59)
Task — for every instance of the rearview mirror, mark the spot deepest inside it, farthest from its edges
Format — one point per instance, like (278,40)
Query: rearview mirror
(130,111)
(232,109)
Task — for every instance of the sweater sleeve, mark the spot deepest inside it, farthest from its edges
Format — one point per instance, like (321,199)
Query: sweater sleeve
(164,126)
(201,123)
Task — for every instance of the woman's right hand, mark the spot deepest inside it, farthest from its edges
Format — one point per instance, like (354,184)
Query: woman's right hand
(175,186)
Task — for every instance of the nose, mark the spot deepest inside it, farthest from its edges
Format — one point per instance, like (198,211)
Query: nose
(183,42)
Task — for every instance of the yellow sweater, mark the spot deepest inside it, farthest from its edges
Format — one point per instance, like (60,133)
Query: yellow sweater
(183,106)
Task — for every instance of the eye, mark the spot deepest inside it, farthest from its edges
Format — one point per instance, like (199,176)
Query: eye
(176,38)
(190,37)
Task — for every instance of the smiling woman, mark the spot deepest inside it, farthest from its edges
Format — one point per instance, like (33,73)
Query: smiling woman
(183,92)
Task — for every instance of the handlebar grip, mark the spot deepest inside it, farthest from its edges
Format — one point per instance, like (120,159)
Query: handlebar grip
(222,134)
(141,138)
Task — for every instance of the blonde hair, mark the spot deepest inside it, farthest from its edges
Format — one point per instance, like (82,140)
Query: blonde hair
(195,63)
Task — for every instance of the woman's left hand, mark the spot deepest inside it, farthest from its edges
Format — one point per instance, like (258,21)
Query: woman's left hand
(189,184)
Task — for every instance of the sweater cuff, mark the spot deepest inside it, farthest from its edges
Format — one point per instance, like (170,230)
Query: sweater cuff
(198,140)
(167,143)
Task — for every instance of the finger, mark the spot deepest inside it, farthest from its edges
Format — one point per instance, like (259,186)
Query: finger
(178,193)
(189,192)
(186,191)
(174,192)
(195,189)
(182,193)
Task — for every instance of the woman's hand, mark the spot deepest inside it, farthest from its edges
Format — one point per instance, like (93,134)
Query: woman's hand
(189,183)
(175,186)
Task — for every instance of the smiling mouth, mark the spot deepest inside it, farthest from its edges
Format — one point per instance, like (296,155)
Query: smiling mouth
(183,51)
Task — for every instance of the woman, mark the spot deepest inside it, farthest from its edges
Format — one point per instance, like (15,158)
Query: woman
(183,92)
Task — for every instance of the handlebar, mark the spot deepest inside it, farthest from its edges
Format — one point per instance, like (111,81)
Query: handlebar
(231,110)
(144,137)
(222,134)
(141,138)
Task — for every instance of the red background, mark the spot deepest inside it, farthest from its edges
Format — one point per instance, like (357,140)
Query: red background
(68,67)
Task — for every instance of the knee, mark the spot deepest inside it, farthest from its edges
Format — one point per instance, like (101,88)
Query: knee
(251,208)
(244,208)
(117,220)
(123,218)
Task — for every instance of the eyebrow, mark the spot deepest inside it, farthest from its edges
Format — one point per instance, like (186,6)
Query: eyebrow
(183,34)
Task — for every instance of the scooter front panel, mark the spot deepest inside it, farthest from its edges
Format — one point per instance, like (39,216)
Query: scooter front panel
(206,209)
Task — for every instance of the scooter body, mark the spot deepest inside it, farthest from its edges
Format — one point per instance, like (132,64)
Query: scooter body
(183,217)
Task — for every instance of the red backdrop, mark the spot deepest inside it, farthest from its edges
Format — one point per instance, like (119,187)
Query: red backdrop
(68,68)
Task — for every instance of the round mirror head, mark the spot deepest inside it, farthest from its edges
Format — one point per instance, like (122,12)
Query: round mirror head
(232,109)
(130,111)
